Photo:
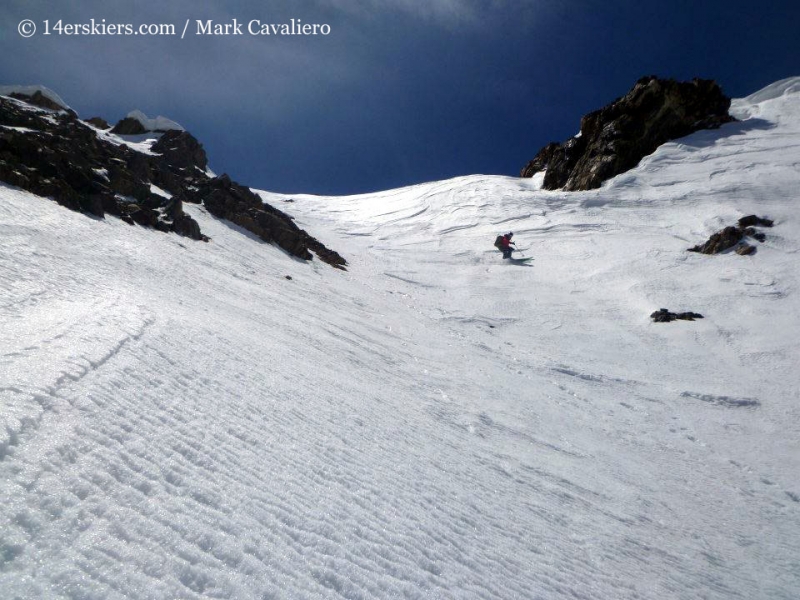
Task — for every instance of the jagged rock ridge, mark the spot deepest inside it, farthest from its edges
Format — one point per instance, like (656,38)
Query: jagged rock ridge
(615,138)
(49,151)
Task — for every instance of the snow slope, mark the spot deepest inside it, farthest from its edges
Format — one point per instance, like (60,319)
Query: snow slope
(183,421)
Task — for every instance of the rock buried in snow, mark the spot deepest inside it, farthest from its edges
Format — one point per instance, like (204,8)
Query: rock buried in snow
(664,316)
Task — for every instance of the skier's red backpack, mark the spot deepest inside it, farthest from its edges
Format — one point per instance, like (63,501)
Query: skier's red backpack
(498,243)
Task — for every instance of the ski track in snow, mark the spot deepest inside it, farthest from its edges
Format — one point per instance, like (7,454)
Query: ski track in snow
(181,421)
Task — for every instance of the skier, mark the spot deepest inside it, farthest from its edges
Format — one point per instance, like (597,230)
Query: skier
(504,243)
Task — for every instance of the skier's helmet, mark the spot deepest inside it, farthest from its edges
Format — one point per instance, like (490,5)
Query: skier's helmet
(510,234)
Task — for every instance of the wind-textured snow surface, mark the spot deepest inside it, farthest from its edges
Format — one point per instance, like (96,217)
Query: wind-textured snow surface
(180,420)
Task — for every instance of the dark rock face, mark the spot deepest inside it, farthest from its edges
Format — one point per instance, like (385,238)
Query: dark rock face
(541,161)
(129,126)
(228,200)
(664,316)
(99,122)
(614,139)
(733,236)
(181,150)
(720,241)
(753,220)
(59,156)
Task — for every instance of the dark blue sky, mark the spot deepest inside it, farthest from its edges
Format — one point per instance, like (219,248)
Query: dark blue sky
(400,91)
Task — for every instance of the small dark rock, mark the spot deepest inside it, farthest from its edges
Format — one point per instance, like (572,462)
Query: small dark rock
(186,226)
(720,241)
(129,126)
(665,316)
(289,277)
(99,122)
(689,316)
(732,236)
(751,220)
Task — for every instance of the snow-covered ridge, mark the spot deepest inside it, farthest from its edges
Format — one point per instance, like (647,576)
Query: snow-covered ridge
(158,123)
(745,108)
(30,90)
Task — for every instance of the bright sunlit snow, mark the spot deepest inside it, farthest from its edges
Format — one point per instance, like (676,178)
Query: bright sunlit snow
(181,420)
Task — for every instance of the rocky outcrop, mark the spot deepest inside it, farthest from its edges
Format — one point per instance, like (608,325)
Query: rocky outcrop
(227,199)
(734,237)
(665,316)
(614,139)
(754,221)
(181,152)
(99,122)
(59,156)
(129,126)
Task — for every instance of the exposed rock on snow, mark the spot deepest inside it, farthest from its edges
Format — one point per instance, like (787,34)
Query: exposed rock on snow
(59,156)
(615,138)
(181,150)
(732,236)
(228,200)
(751,220)
(665,316)
(99,122)
(128,126)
